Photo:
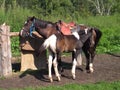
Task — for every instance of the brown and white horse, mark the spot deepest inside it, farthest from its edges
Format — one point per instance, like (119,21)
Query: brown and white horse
(58,43)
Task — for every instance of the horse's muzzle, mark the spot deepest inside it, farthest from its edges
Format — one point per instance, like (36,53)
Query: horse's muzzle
(24,33)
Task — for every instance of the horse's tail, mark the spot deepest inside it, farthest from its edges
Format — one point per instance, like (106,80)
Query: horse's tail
(49,43)
(79,57)
(98,35)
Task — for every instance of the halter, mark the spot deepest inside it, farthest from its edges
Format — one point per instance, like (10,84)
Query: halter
(32,28)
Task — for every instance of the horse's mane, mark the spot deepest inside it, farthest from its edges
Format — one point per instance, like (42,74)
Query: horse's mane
(43,24)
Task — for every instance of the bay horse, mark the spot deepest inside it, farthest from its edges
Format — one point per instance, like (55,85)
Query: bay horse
(58,43)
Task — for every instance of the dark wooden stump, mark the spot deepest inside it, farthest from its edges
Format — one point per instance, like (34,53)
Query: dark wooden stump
(29,60)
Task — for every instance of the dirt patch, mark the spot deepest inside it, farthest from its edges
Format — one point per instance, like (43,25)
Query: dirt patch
(107,68)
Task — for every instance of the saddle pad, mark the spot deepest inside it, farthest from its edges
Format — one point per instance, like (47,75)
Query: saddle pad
(65,28)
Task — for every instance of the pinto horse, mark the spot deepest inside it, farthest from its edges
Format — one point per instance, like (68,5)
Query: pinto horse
(58,43)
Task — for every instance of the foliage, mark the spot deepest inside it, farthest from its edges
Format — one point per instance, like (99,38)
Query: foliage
(15,12)
(109,25)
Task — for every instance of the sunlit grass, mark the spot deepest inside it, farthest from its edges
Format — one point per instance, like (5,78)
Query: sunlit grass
(96,86)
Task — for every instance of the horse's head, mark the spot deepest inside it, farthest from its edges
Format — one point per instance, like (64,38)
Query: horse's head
(28,27)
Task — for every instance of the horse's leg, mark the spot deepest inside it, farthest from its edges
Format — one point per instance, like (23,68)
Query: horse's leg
(74,65)
(55,64)
(50,66)
(60,68)
(93,43)
(89,49)
(89,54)
(96,35)
(92,55)
(79,57)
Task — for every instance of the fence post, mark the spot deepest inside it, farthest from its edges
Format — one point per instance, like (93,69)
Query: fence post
(5,51)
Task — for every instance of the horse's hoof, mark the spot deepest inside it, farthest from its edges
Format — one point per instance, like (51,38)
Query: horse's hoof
(74,77)
(51,80)
(59,78)
(89,71)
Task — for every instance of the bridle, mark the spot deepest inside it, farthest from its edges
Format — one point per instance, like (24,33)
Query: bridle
(32,27)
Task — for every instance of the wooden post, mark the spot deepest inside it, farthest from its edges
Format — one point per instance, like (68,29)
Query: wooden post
(5,51)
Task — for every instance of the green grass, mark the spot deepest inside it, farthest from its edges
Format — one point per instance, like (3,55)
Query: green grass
(96,86)
(109,25)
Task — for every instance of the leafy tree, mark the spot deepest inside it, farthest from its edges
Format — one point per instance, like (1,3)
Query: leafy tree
(103,7)
(66,8)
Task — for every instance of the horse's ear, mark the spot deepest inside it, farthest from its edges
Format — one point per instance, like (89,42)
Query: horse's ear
(60,21)
(90,29)
(32,18)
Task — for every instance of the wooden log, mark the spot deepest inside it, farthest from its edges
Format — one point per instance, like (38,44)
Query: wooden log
(13,34)
(5,51)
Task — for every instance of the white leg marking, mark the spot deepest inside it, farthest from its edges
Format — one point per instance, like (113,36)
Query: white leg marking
(91,67)
(50,67)
(55,64)
(74,68)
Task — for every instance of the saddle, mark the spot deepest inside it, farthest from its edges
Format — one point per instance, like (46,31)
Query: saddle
(65,28)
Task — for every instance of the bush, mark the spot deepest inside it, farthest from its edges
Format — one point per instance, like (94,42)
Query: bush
(109,25)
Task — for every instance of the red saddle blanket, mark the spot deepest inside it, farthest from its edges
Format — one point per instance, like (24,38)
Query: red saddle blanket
(65,28)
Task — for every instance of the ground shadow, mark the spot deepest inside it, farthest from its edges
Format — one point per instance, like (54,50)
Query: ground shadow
(113,54)
(68,66)
(40,74)
(16,67)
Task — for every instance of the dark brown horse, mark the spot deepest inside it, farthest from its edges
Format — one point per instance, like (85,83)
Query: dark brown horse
(44,28)
(89,46)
